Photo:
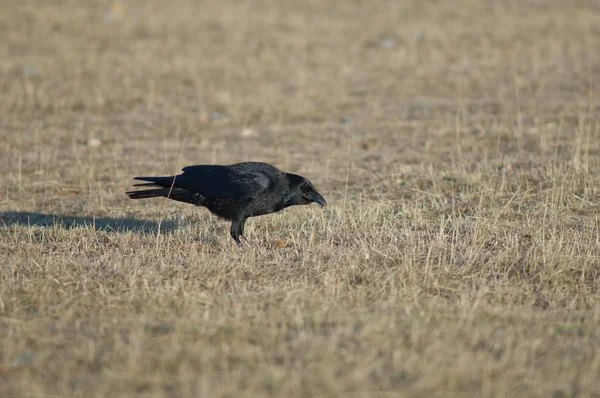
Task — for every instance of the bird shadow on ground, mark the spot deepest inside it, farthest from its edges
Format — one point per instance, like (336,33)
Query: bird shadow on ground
(109,224)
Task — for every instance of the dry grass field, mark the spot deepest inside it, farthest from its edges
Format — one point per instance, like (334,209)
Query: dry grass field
(456,142)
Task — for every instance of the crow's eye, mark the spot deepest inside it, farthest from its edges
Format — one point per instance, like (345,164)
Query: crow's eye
(305,187)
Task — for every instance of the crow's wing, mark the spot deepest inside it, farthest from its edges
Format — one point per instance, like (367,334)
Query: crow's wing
(215,181)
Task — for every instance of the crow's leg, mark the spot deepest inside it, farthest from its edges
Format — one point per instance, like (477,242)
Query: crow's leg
(244,236)
(237,229)
(242,225)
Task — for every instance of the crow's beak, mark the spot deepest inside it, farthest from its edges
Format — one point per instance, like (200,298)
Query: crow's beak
(317,198)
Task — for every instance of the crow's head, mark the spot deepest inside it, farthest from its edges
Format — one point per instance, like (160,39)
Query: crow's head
(302,192)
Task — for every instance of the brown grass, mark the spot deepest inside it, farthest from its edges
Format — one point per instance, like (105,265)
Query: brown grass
(457,143)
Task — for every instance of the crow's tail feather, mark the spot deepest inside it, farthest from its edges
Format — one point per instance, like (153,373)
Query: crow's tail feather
(178,194)
(148,193)
(158,181)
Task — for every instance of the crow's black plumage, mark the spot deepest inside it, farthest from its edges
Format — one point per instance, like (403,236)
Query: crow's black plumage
(233,192)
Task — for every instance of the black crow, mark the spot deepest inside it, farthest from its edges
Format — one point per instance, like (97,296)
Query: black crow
(233,192)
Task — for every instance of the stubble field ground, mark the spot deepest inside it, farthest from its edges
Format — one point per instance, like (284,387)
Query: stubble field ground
(456,142)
